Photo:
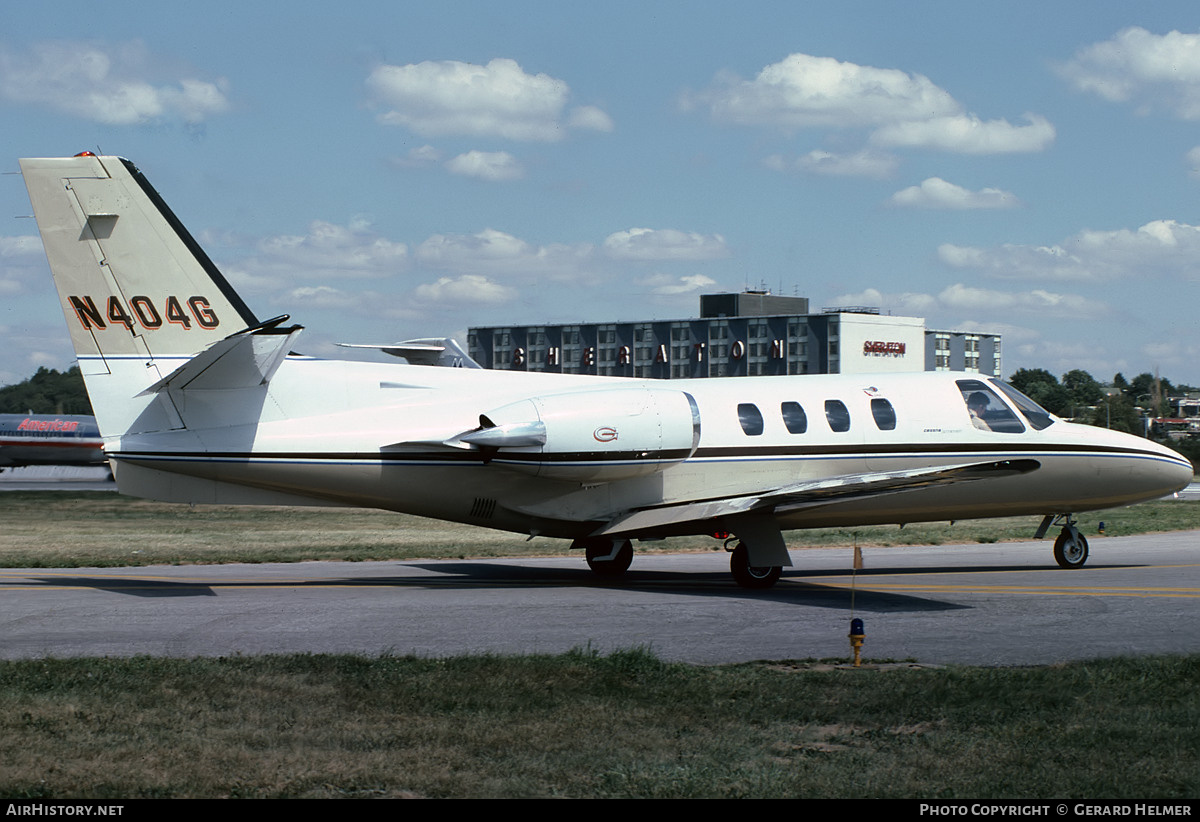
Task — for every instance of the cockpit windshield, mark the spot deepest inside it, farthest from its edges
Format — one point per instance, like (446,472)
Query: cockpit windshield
(988,412)
(1038,417)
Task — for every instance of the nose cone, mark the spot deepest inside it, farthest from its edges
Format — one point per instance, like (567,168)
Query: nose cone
(1176,470)
(1131,469)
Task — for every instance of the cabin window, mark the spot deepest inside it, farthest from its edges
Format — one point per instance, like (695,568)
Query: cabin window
(750,418)
(794,417)
(837,416)
(884,414)
(1038,417)
(987,411)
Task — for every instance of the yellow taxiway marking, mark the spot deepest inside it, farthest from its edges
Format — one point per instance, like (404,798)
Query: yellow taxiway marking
(879,582)
(1014,589)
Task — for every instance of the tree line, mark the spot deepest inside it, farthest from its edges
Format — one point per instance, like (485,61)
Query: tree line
(47,392)
(1080,397)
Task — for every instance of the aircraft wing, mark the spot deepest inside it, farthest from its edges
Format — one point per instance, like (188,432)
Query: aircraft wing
(812,493)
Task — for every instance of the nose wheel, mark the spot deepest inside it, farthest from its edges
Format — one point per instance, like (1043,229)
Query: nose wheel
(1071,548)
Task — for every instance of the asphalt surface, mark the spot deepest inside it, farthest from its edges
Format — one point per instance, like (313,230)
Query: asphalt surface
(1000,604)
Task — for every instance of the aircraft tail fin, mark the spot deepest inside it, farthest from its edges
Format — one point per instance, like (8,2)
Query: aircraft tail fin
(131,279)
(138,292)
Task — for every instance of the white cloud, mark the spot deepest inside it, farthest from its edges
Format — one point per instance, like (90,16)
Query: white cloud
(114,85)
(420,157)
(937,193)
(22,265)
(326,251)
(868,163)
(21,247)
(470,289)
(664,244)
(1160,248)
(1012,334)
(493,166)
(591,118)
(1149,70)
(907,303)
(323,296)
(1193,162)
(664,285)
(1037,301)
(803,91)
(989,302)
(967,134)
(496,100)
(492,252)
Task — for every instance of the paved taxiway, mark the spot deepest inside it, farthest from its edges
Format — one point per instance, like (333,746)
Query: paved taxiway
(1003,604)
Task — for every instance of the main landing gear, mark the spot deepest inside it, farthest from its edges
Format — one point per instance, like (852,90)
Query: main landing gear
(747,575)
(1071,547)
(756,559)
(606,557)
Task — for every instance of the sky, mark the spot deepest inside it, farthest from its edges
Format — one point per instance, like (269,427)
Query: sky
(386,171)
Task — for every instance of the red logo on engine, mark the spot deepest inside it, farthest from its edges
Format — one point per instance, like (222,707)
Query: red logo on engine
(604,433)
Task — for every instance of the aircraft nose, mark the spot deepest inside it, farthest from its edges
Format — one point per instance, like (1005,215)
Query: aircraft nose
(1175,471)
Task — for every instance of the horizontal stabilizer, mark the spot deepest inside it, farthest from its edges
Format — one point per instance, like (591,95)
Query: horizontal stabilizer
(243,360)
(442,351)
(812,493)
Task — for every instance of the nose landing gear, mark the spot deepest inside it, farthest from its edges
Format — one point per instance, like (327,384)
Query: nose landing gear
(1071,547)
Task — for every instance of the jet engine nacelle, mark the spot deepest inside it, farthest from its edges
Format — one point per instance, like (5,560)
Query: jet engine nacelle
(594,436)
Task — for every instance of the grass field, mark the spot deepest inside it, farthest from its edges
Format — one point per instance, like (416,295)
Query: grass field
(583,725)
(69,530)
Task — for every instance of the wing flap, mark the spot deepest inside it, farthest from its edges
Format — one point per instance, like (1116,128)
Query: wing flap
(813,493)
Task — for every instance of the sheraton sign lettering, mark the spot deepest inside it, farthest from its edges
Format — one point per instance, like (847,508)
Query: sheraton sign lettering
(879,348)
(737,351)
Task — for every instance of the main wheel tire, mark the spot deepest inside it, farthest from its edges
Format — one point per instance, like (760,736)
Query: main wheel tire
(614,567)
(1070,549)
(749,576)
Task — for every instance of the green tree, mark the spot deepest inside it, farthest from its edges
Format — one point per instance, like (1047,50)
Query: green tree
(47,392)
(1085,391)
(1043,388)
(1151,393)
(1116,412)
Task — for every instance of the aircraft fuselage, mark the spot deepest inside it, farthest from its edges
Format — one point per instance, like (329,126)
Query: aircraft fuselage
(376,435)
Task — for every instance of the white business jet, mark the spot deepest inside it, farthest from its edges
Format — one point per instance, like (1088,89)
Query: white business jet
(200,401)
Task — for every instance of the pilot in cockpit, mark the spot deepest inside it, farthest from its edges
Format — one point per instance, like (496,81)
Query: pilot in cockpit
(977,404)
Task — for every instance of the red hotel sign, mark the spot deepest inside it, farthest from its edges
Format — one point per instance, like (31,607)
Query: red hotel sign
(883,349)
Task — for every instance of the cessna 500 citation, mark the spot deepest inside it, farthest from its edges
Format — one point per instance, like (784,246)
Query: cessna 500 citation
(200,401)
